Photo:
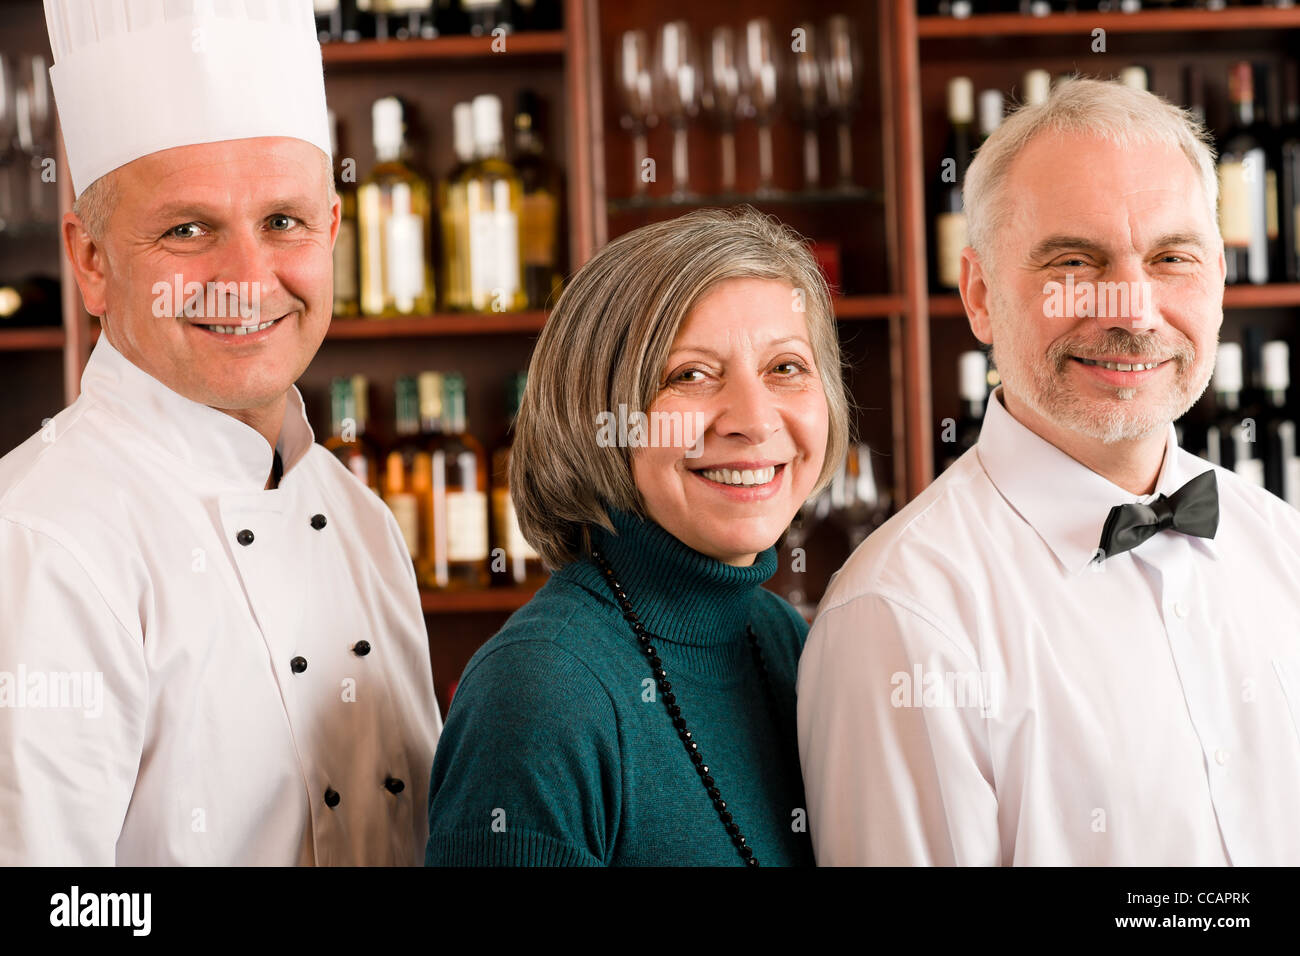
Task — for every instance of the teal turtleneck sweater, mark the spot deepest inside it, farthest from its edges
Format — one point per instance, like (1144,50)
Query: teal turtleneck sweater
(554,753)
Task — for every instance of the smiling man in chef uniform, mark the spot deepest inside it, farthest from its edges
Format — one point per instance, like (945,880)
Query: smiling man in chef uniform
(245,607)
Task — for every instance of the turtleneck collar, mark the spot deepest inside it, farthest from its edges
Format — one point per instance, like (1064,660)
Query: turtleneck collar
(680,595)
(209,440)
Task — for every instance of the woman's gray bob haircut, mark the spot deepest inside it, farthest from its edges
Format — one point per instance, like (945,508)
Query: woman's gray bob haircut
(1102,108)
(606,345)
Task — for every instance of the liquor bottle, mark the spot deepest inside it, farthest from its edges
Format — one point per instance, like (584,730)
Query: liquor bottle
(493,198)
(348,439)
(1230,439)
(401,19)
(347,283)
(454,213)
(950,216)
(959,436)
(458,553)
(337,21)
(1243,186)
(1281,467)
(1289,172)
(485,16)
(992,109)
(393,214)
(513,558)
(1268,128)
(539,220)
(1037,87)
(407,484)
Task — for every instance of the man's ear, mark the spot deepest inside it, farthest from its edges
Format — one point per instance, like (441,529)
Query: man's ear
(87,259)
(975,295)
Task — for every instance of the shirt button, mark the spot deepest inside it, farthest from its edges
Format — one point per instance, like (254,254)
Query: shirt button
(298,665)
(394,785)
(361,648)
(245,537)
(1221,757)
(318,521)
(332,797)
(1180,609)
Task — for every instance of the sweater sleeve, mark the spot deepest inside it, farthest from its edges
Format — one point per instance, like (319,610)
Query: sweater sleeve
(527,771)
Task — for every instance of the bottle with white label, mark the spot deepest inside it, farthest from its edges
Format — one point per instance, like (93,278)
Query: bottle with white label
(950,214)
(458,553)
(513,558)
(1230,439)
(393,219)
(1037,87)
(493,202)
(958,436)
(407,486)
(454,212)
(1244,187)
(992,109)
(1281,466)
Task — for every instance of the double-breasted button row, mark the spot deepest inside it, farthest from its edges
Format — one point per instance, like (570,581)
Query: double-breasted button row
(392,784)
(246,537)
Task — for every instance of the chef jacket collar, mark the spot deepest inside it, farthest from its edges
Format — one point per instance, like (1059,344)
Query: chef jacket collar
(1063,500)
(203,437)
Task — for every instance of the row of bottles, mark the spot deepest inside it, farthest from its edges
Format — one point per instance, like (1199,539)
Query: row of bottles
(1253,429)
(498,219)
(1258,167)
(961,9)
(352,20)
(448,499)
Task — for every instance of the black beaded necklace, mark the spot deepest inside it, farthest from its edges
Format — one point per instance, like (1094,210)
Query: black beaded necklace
(675,712)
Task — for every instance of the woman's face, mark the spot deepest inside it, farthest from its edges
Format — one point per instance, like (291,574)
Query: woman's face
(742,368)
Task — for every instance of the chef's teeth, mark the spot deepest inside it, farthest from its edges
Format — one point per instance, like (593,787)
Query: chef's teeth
(1122,366)
(729,476)
(241,329)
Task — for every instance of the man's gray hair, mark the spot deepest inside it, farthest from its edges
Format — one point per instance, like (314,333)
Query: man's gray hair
(1100,108)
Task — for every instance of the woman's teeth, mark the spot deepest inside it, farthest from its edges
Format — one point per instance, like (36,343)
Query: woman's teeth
(728,476)
(1121,366)
(240,329)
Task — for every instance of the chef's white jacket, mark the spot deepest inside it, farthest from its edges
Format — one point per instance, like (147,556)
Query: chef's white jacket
(264,687)
(977,689)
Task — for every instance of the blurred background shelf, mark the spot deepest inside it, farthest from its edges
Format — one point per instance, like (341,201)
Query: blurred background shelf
(1083,22)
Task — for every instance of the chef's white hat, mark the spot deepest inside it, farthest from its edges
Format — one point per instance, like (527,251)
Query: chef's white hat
(132,77)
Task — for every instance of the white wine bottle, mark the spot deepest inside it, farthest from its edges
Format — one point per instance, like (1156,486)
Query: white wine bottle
(454,213)
(493,203)
(347,283)
(393,214)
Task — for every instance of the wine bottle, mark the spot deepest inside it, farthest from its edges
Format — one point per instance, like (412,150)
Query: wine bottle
(1036,87)
(992,108)
(485,16)
(393,212)
(539,221)
(407,483)
(454,212)
(348,440)
(960,435)
(950,216)
(493,197)
(459,542)
(513,558)
(1281,467)
(449,18)
(347,281)
(329,20)
(402,19)
(1243,186)
(1194,92)
(1289,173)
(1134,77)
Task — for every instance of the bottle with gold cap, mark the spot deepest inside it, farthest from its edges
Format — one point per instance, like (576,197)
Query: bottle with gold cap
(407,482)
(493,206)
(458,542)
(513,558)
(349,441)
(394,218)
(453,211)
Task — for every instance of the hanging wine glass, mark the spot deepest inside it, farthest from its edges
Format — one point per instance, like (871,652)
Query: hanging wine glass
(35,117)
(807,71)
(722,97)
(842,73)
(761,80)
(678,84)
(637,93)
(859,501)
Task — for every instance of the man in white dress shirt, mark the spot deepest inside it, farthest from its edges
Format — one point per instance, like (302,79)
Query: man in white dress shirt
(1015,669)
(211,643)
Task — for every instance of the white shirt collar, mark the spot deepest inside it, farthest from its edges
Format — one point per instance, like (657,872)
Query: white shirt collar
(1064,501)
(203,437)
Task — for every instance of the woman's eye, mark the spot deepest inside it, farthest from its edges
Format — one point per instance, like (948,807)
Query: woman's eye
(794,368)
(682,376)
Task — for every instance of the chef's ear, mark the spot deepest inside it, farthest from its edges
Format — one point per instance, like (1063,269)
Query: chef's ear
(88,261)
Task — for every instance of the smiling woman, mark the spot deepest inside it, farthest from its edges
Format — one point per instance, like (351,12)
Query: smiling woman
(640,709)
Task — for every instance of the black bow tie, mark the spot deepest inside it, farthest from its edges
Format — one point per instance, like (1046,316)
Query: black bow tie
(1192,509)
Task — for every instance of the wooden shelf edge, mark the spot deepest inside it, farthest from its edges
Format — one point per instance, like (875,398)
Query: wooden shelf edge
(852,307)
(1144,21)
(420,326)
(31,339)
(380,52)
(473,602)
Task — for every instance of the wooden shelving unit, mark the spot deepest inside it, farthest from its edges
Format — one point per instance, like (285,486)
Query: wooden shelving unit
(897,357)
